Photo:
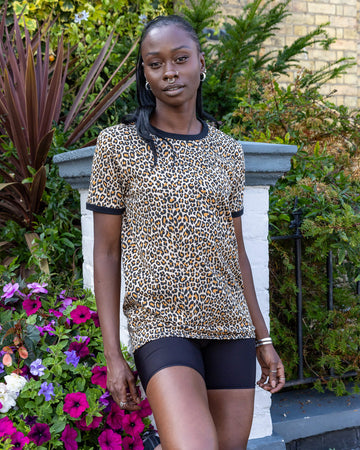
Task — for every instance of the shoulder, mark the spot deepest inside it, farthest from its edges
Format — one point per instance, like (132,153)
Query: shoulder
(121,131)
(226,143)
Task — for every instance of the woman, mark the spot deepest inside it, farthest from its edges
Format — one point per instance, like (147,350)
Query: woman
(167,195)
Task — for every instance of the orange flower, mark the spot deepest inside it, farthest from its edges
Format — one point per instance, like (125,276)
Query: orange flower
(7,360)
(23,352)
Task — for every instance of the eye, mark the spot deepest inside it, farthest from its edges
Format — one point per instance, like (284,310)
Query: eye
(155,65)
(182,59)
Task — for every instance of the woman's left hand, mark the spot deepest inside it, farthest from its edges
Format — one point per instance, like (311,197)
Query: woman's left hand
(272,369)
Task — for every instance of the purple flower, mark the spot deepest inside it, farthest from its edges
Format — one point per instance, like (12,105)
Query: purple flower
(80,348)
(38,288)
(132,424)
(72,358)
(10,289)
(47,389)
(36,368)
(2,367)
(7,428)
(39,433)
(67,302)
(68,437)
(47,329)
(103,400)
(29,420)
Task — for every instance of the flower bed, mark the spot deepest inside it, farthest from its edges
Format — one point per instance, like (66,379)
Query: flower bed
(53,375)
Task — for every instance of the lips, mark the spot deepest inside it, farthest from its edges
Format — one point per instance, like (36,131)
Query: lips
(173,87)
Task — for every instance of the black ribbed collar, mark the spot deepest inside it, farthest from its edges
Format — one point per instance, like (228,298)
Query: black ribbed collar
(181,137)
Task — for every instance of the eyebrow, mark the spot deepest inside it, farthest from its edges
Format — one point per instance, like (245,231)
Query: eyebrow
(173,50)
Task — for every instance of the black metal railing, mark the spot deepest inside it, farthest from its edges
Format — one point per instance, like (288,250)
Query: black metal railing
(297,238)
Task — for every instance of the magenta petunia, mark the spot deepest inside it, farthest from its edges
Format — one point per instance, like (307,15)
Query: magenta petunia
(31,305)
(75,404)
(109,440)
(80,314)
(81,424)
(7,428)
(132,443)
(115,417)
(99,376)
(68,437)
(145,410)
(80,348)
(39,433)
(95,318)
(18,440)
(55,313)
(132,424)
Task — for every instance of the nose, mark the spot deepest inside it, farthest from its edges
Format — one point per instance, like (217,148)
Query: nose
(170,72)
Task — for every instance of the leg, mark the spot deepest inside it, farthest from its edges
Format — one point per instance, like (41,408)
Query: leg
(178,398)
(232,411)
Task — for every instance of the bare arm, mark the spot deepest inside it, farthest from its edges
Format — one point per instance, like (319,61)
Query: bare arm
(271,365)
(107,261)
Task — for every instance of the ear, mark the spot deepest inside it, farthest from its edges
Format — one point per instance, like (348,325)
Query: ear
(202,62)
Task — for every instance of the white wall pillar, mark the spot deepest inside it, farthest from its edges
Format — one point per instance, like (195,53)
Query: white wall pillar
(255,230)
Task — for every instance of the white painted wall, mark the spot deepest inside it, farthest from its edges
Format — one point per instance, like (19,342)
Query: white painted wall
(255,226)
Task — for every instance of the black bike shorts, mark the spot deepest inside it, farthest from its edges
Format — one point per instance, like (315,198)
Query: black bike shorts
(224,364)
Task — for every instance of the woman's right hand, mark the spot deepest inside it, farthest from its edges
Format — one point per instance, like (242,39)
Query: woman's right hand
(121,384)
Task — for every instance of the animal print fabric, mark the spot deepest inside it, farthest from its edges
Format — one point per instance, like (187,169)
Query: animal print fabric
(179,250)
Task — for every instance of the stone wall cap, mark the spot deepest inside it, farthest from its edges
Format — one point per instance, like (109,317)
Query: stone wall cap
(264,163)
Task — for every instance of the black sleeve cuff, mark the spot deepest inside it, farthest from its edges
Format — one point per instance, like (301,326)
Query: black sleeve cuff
(105,210)
(237,213)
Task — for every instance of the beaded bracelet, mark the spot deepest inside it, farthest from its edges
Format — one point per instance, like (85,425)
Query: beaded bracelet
(264,341)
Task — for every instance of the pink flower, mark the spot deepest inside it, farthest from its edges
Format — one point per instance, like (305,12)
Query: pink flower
(132,424)
(37,288)
(81,424)
(109,440)
(99,376)
(39,433)
(10,289)
(31,305)
(7,428)
(68,437)
(80,314)
(132,443)
(80,348)
(47,329)
(56,313)
(115,417)
(75,404)
(145,410)
(18,440)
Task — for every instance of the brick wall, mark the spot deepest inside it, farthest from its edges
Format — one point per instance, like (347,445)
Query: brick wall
(344,24)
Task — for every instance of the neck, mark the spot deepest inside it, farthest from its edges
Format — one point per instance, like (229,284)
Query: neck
(176,121)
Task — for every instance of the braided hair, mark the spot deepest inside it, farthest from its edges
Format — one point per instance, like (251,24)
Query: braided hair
(146,99)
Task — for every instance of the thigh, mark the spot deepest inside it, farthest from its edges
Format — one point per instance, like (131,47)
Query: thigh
(179,401)
(230,375)
(232,412)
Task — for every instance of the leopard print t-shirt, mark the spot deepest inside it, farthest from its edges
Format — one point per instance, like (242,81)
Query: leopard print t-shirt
(179,249)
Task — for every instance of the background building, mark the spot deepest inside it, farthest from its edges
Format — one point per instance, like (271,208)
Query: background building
(343,17)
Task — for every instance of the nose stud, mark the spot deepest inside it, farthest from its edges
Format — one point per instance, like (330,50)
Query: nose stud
(172,80)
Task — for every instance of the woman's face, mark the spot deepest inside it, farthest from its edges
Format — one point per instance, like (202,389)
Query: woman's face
(172,65)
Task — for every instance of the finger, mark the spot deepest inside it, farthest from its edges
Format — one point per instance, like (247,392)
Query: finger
(133,390)
(279,386)
(273,375)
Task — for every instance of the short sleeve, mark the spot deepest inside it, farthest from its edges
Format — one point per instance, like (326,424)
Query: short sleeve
(237,176)
(107,185)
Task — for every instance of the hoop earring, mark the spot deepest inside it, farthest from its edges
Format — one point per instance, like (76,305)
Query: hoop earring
(147,86)
(203,76)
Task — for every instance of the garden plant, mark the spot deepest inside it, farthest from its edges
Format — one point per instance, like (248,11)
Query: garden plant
(51,351)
